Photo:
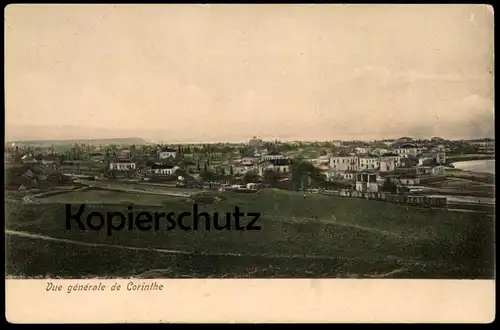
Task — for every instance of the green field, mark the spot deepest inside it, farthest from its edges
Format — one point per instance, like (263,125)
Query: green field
(328,237)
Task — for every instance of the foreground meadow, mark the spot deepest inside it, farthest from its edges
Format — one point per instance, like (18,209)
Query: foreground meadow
(300,236)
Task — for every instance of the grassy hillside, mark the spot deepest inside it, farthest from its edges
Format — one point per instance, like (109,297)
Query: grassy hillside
(352,236)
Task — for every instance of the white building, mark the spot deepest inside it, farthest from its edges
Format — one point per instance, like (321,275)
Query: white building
(273,156)
(49,160)
(369,163)
(367,182)
(387,166)
(276,165)
(380,151)
(247,161)
(164,169)
(167,153)
(431,170)
(348,175)
(240,169)
(321,160)
(125,153)
(390,157)
(344,163)
(362,150)
(122,166)
(484,146)
(408,151)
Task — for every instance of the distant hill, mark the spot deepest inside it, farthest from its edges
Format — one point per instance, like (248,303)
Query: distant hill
(124,141)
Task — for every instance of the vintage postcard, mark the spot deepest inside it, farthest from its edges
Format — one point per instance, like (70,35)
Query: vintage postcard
(286,163)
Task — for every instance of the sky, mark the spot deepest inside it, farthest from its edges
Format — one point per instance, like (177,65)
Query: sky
(230,72)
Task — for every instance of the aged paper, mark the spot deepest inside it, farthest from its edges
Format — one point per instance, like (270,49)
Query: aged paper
(249,163)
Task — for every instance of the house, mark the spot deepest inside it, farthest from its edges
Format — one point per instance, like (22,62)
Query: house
(28,159)
(367,182)
(261,152)
(49,160)
(440,147)
(409,179)
(348,175)
(122,165)
(247,161)
(240,169)
(126,153)
(407,150)
(321,160)
(344,162)
(391,157)
(484,146)
(276,165)
(253,186)
(387,165)
(273,155)
(362,150)
(161,169)
(436,157)
(97,157)
(380,151)
(166,153)
(425,161)
(369,162)
(431,170)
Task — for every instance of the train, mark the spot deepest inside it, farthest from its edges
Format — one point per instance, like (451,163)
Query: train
(405,199)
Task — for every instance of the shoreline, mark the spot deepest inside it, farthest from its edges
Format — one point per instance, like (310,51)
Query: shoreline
(464,158)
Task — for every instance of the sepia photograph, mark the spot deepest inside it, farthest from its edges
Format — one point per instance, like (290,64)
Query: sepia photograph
(249,142)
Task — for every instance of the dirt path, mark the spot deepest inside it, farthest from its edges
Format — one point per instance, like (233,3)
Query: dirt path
(131,248)
(67,241)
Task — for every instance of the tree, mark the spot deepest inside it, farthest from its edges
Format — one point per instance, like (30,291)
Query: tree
(208,175)
(389,186)
(304,173)
(270,177)
(231,171)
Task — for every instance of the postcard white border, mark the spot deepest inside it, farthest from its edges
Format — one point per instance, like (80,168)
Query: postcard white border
(256,301)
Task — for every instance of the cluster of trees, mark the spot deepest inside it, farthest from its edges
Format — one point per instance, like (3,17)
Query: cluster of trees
(389,186)
(463,149)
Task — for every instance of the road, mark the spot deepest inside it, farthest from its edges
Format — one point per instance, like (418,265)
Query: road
(97,184)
